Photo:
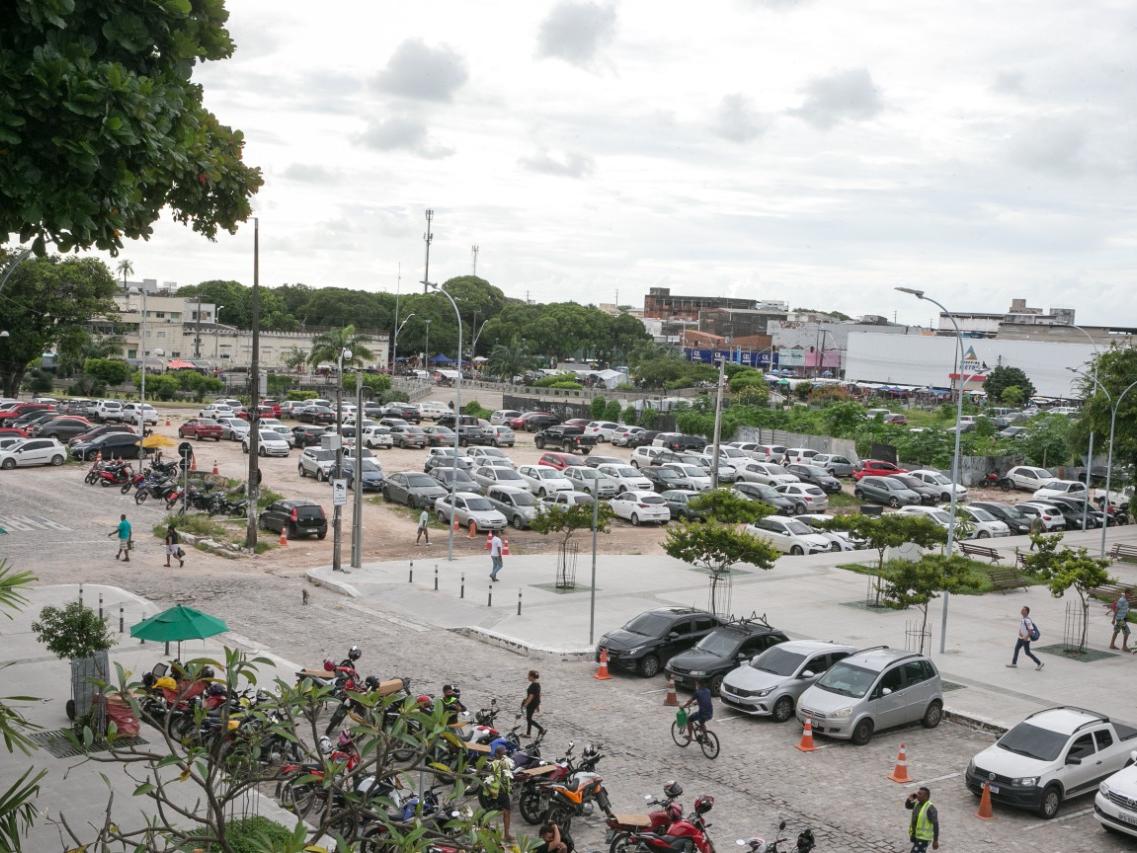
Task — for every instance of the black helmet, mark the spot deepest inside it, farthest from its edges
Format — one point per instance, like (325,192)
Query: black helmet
(372,682)
(704,804)
(354,653)
(207,672)
(805,841)
(673,790)
(217,690)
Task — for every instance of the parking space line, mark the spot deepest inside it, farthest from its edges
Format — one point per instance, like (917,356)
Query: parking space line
(929,781)
(649,692)
(1043,823)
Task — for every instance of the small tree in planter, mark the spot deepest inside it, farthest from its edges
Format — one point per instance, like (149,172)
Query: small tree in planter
(76,633)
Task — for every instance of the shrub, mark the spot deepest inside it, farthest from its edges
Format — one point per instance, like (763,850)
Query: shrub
(630,415)
(477,410)
(298,395)
(612,411)
(567,385)
(598,406)
(376,383)
(72,632)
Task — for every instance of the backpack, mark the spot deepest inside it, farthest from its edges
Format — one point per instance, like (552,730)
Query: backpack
(1034,632)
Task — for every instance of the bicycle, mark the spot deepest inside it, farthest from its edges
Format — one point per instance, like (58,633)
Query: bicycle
(708,741)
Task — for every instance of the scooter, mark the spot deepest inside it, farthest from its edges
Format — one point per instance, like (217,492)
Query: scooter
(688,834)
(621,826)
(805,842)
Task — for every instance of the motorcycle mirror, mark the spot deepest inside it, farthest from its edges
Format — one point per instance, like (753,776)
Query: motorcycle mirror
(782,825)
(647,798)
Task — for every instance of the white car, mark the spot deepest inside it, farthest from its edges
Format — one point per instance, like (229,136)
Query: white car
(751,449)
(727,455)
(1028,478)
(484,453)
(591,481)
(217,411)
(234,429)
(109,411)
(940,516)
(603,430)
(626,435)
(470,508)
(489,475)
(808,497)
(376,436)
(769,452)
(270,443)
(544,481)
(693,477)
(790,536)
(567,499)
(131,413)
(283,431)
(1115,805)
(1051,518)
(433,409)
(1061,489)
(842,538)
(504,416)
(767,473)
(639,507)
(628,479)
(33,451)
(984,524)
(798,456)
(642,456)
(941,481)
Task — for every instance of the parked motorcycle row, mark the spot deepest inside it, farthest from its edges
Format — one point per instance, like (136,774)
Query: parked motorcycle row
(162,481)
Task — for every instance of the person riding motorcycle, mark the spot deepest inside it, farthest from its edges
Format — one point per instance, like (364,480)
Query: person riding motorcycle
(353,654)
(452,702)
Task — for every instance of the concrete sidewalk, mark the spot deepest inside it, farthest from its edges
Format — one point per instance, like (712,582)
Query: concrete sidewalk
(807,597)
(74,787)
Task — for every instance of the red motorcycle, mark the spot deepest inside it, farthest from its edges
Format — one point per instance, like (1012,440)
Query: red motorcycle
(623,826)
(688,835)
(115,474)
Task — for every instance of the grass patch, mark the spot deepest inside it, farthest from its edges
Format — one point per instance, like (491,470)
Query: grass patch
(230,531)
(982,567)
(250,835)
(410,513)
(843,500)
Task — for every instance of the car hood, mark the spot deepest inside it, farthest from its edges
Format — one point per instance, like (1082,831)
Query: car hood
(622,640)
(817,540)
(486,514)
(748,678)
(823,702)
(994,759)
(697,659)
(429,491)
(781,478)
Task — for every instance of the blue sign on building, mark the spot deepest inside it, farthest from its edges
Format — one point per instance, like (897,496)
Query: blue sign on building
(749,358)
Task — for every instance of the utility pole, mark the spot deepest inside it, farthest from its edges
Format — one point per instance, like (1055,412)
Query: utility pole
(718,425)
(428,238)
(337,509)
(426,346)
(197,331)
(474,251)
(253,486)
(357,485)
(395,342)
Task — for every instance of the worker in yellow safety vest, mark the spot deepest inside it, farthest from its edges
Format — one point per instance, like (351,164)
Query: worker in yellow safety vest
(924,828)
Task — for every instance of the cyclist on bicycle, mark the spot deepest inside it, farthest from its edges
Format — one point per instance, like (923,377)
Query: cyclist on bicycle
(706,709)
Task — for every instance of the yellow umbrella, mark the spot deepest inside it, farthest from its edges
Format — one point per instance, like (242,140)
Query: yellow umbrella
(155,440)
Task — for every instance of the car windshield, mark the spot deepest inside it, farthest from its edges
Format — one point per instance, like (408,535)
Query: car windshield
(847,680)
(420,481)
(371,465)
(777,661)
(941,517)
(719,642)
(775,470)
(693,471)
(478,504)
(939,479)
(668,474)
(522,499)
(623,471)
(891,483)
(814,471)
(648,624)
(1012,512)
(1033,742)
(550,474)
(269,435)
(492,451)
(506,474)
(797,528)
(981,514)
(322,455)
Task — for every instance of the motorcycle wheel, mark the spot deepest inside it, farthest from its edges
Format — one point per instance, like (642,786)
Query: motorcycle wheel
(337,718)
(140,497)
(105,483)
(126,487)
(531,805)
(623,842)
(562,817)
(90,479)
(297,799)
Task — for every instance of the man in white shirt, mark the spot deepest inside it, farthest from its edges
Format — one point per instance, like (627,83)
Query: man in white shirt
(495,556)
(1026,627)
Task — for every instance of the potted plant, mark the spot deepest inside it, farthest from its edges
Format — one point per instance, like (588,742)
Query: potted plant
(76,633)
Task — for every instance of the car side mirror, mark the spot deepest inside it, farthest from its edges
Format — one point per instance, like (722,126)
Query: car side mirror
(809,673)
(1073,759)
(674,635)
(885,691)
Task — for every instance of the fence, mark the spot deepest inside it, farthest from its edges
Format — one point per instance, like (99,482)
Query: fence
(563,409)
(821,443)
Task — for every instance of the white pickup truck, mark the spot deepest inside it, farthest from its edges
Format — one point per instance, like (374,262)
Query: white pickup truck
(1115,805)
(1051,756)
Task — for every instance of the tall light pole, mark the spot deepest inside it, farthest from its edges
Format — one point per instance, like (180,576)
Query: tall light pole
(337,508)
(357,476)
(718,425)
(1090,449)
(457,413)
(474,251)
(142,352)
(427,238)
(426,345)
(919,294)
(477,334)
(253,476)
(395,343)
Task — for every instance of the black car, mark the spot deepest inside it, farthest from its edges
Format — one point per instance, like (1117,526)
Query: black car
(643,439)
(679,442)
(307,436)
(655,636)
(316,415)
(1073,511)
(678,501)
(413,489)
(817,476)
(569,439)
(462,479)
(95,431)
(299,518)
(929,495)
(407,412)
(663,479)
(121,445)
(470,435)
(63,428)
(766,494)
(1017,521)
(723,649)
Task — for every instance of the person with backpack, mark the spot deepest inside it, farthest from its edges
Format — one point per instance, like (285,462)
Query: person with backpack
(173,548)
(1028,632)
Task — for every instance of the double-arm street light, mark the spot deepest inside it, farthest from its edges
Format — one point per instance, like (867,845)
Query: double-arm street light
(457,416)
(919,294)
(395,343)
(1090,449)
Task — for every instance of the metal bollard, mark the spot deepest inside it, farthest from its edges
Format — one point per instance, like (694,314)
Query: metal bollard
(140,640)
(120,620)
(100,607)
(80,594)
(411,573)
(436,577)
(489,596)
(462,588)
(518,602)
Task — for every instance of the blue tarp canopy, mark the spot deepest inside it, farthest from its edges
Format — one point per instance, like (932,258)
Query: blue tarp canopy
(441,359)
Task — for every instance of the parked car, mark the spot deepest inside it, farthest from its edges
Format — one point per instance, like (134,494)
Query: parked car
(569,439)
(625,436)
(928,494)
(1016,520)
(235,429)
(940,516)
(665,479)
(721,651)
(469,508)
(517,504)
(501,435)
(62,428)
(640,507)
(412,489)
(297,517)
(504,416)
(602,430)
(534,421)
(371,474)
(201,429)
(642,456)
(798,456)
(653,637)
(941,481)
(481,455)
(983,524)
(806,497)
(877,468)
(376,437)
(120,445)
(769,452)
(95,431)
(33,451)
(461,480)
(678,503)
(133,412)
(769,684)
(790,536)
(816,476)
(885,490)
(1115,804)
(1060,489)
(768,473)
(677,441)
(444,457)
(591,481)
(432,409)
(693,477)
(1076,514)
(765,494)
(408,435)
(1026,478)
(1052,756)
(304,436)
(109,410)
(313,414)
(842,539)
(560,461)
(317,463)
(627,478)
(215,411)
(568,499)
(835,464)
(269,443)
(1050,517)
(544,481)
(872,690)
(489,475)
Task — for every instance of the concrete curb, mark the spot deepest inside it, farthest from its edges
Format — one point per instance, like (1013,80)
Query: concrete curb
(501,641)
(334,585)
(975,722)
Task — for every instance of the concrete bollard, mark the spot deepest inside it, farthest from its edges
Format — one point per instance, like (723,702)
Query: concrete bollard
(100,607)
(462,588)
(489,596)
(411,573)
(436,577)
(518,602)
(80,593)
(120,620)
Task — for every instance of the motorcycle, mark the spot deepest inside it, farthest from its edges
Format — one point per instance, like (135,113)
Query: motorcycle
(115,474)
(621,826)
(574,797)
(535,780)
(158,489)
(688,835)
(805,842)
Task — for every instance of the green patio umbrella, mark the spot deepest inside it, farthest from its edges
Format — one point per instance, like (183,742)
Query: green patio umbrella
(177,624)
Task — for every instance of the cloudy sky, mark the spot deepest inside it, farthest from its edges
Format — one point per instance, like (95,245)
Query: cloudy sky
(814,151)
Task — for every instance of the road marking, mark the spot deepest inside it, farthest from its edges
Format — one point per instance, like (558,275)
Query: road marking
(28,522)
(1057,819)
(649,692)
(930,781)
(728,719)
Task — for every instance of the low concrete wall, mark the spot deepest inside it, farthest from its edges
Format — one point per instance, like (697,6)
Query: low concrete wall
(820,443)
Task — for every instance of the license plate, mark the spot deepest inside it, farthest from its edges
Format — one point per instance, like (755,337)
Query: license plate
(1125,817)
(993,788)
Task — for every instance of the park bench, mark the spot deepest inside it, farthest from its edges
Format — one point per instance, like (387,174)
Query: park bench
(1123,552)
(985,551)
(1109,592)
(1006,578)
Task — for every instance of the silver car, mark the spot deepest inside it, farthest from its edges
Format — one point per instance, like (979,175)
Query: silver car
(874,689)
(516,504)
(490,475)
(770,684)
(469,509)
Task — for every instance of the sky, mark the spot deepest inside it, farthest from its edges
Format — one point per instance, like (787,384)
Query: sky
(812,151)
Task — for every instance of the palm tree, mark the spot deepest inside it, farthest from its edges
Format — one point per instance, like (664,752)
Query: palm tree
(509,360)
(126,268)
(295,358)
(326,347)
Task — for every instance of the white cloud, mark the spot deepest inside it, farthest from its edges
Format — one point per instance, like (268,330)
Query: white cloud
(566,165)
(738,120)
(423,73)
(575,31)
(402,133)
(841,96)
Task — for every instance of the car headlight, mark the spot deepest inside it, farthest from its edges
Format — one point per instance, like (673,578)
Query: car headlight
(1103,789)
(634,651)
(697,673)
(842,714)
(1025,782)
(765,692)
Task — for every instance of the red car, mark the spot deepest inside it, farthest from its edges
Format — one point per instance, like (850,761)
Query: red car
(877,468)
(200,429)
(577,422)
(560,461)
(13,432)
(10,414)
(264,411)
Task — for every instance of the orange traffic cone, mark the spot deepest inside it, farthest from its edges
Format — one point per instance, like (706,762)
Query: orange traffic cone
(806,744)
(283,536)
(193,463)
(672,698)
(473,530)
(98,456)
(215,471)
(457,524)
(985,811)
(602,670)
(505,546)
(489,539)
(900,772)
(167,420)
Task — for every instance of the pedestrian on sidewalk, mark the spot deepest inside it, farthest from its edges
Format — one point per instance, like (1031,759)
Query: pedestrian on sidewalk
(123,530)
(423,526)
(1035,529)
(173,549)
(925,824)
(1120,610)
(531,704)
(1027,632)
(495,556)
(499,787)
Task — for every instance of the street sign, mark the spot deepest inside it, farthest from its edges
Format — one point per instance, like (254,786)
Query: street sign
(339,492)
(185,451)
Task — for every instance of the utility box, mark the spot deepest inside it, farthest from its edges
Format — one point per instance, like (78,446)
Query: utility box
(330,441)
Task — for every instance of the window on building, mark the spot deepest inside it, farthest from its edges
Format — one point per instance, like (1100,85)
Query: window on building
(160,314)
(161,334)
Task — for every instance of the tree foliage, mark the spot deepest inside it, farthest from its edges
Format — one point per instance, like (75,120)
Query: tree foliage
(565,521)
(888,530)
(73,631)
(910,583)
(102,126)
(1068,568)
(109,371)
(327,347)
(1003,377)
(1116,369)
(726,506)
(717,547)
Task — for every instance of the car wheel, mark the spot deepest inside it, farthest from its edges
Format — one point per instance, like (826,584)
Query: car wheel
(539,443)
(715,685)
(320,476)
(862,734)
(858,494)
(9,464)
(245,448)
(983,534)
(261,452)
(945,497)
(933,715)
(542,493)
(894,503)
(783,709)
(797,550)
(1006,485)
(57,460)
(518,522)
(799,509)
(649,666)
(323,535)
(635,520)
(1051,802)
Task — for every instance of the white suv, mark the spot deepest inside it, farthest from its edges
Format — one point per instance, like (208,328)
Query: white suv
(376,436)
(1027,478)
(642,456)
(603,430)
(1061,489)
(109,410)
(790,536)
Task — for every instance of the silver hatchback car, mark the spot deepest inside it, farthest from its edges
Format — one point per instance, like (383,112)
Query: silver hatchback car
(770,684)
(874,689)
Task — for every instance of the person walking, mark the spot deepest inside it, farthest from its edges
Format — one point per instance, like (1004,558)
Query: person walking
(925,824)
(499,786)
(173,548)
(1035,529)
(124,531)
(1026,634)
(531,704)
(423,526)
(1120,610)
(495,556)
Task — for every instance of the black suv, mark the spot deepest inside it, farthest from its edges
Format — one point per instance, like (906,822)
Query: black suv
(408,413)
(1015,519)
(722,650)
(654,636)
(570,439)
(299,518)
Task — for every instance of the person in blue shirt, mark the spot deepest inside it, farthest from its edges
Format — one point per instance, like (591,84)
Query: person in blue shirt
(706,708)
(124,534)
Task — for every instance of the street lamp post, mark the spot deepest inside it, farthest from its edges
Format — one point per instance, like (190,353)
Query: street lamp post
(457,413)
(426,344)
(395,343)
(357,479)
(1090,449)
(718,425)
(919,294)
(337,508)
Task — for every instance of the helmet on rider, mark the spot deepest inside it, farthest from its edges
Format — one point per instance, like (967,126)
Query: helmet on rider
(354,653)
(206,672)
(704,804)
(672,790)
(217,690)
(372,682)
